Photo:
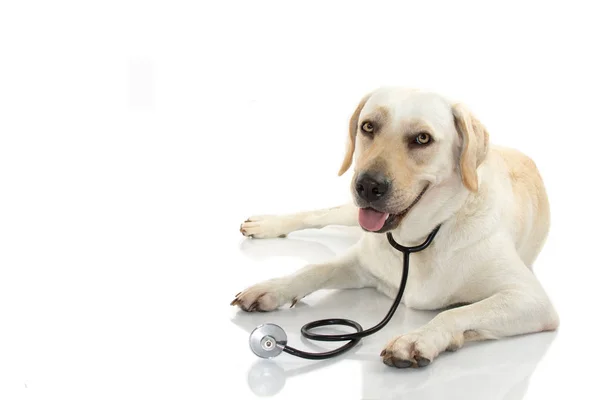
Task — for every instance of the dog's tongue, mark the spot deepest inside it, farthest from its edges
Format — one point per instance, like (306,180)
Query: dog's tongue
(370,219)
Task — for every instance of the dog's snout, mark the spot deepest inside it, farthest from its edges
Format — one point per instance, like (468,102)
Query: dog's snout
(370,187)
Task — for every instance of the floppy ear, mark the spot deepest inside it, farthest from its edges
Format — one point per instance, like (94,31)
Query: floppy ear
(352,129)
(475,142)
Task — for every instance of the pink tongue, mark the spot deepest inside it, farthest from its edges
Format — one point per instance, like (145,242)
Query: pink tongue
(370,219)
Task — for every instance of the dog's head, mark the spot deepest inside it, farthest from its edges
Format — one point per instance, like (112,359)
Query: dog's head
(405,143)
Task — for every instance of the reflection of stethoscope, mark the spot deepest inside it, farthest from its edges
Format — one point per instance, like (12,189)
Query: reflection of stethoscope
(269,340)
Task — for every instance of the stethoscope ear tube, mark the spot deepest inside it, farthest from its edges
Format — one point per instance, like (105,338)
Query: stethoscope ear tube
(270,340)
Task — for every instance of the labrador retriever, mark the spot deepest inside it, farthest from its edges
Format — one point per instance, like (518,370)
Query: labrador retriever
(421,160)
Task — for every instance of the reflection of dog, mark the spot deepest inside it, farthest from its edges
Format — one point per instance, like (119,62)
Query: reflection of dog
(422,161)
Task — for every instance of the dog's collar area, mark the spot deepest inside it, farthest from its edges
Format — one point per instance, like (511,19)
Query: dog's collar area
(413,249)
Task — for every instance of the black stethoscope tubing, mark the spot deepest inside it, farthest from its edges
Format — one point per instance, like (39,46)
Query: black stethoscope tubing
(355,337)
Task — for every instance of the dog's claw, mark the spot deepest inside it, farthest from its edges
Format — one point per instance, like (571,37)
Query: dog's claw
(254,300)
(293,303)
(243,231)
(388,361)
(402,363)
(422,361)
(391,361)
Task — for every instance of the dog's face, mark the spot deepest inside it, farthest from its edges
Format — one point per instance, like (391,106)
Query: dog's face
(405,143)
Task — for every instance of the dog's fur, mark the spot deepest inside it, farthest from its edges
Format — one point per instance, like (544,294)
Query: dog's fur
(494,215)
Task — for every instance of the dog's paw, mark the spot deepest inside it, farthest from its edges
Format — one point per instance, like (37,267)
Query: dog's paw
(266,296)
(414,350)
(266,226)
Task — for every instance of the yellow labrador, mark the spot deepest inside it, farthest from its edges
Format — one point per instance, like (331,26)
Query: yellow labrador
(421,161)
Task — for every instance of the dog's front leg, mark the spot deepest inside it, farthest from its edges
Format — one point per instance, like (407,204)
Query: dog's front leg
(271,226)
(343,272)
(516,308)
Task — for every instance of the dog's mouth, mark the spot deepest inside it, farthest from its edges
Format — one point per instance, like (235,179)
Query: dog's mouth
(373,220)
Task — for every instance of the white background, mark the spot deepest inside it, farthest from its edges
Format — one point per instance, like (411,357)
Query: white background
(135,137)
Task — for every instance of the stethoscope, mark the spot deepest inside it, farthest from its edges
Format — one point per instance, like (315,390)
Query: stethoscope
(269,340)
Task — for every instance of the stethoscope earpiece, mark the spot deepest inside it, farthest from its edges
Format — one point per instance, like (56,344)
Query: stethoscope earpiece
(268,340)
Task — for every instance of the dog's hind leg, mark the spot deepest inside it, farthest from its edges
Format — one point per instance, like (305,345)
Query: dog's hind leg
(270,226)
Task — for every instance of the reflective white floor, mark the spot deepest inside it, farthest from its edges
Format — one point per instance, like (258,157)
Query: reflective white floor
(151,319)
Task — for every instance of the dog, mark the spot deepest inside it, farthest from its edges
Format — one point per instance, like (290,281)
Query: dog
(423,161)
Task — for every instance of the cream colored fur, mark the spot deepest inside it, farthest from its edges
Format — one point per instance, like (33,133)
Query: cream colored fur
(494,216)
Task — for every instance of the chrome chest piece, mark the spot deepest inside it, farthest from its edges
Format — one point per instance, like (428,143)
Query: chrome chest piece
(268,340)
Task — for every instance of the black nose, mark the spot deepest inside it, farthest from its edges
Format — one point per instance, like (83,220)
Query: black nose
(371,188)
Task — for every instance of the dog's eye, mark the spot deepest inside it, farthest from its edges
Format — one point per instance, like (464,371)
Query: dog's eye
(367,127)
(423,138)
